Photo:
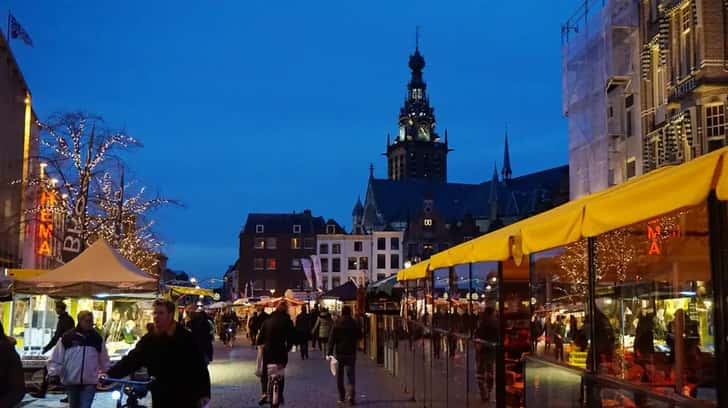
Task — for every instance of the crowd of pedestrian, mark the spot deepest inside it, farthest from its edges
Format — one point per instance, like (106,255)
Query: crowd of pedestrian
(276,334)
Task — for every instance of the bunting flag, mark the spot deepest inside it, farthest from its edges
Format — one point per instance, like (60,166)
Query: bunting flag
(15,30)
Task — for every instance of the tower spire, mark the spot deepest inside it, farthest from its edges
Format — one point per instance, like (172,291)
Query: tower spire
(506,171)
(417,38)
(371,170)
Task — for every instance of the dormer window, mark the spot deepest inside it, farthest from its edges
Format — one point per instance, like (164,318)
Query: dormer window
(259,229)
(331,229)
(297,228)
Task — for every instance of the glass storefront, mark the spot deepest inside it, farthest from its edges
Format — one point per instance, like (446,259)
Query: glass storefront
(654,305)
(624,319)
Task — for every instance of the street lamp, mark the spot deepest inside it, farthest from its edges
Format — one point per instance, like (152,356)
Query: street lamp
(272,291)
(193,280)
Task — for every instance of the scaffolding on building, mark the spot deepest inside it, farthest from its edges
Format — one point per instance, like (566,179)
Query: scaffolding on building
(599,47)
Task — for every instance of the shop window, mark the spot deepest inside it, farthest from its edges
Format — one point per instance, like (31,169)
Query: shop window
(336,265)
(394,243)
(271,264)
(381,244)
(271,243)
(324,264)
(259,243)
(258,263)
(323,248)
(335,248)
(358,246)
(559,286)
(352,263)
(654,305)
(381,261)
(363,263)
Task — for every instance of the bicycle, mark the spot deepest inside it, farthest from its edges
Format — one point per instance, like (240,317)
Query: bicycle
(134,391)
(228,334)
(276,372)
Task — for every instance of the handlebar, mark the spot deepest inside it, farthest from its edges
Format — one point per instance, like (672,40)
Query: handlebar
(127,382)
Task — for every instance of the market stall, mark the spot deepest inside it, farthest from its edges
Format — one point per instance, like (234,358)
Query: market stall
(99,280)
(339,296)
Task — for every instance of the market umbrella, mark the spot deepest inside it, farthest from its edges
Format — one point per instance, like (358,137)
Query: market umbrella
(343,292)
(99,270)
(386,285)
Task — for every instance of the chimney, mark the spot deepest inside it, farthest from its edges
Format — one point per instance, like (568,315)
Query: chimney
(307,212)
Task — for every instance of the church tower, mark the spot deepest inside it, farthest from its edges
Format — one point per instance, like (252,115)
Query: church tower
(417,152)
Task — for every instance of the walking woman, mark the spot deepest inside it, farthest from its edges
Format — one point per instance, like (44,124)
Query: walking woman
(322,329)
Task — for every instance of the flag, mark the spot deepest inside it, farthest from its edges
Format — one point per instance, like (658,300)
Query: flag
(307,264)
(17,31)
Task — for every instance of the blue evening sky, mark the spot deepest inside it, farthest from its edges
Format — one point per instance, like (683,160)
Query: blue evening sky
(275,106)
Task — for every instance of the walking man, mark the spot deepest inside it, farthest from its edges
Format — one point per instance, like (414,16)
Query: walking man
(303,330)
(78,359)
(342,344)
(172,357)
(277,337)
(64,324)
(257,323)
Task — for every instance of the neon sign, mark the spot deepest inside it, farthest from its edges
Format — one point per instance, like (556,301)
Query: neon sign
(45,226)
(656,232)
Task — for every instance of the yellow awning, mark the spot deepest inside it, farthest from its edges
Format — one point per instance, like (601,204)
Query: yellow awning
(654,194)
(24,273)
(657,193)
(185,290)
(416,271)
(495,246)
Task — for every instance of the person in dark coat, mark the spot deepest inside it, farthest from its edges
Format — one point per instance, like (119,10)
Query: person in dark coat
(64,324)
(172,357)
(257,323)
(303,330)
(277,336)
(199,326)
(12,381)
(342,344)
(485,352)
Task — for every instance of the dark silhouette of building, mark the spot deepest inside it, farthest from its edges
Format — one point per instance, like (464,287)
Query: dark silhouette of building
(418,151)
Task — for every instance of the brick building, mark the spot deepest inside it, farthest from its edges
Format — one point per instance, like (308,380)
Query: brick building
(271,249)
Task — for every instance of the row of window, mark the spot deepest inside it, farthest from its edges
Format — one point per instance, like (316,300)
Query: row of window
(359,246)
(260,228)
(360,263)
(272,243)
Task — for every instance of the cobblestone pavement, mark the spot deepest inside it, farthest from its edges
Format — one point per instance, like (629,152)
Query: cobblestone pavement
(309,383)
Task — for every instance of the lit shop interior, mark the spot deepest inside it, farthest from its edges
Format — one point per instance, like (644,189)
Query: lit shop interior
(611,300)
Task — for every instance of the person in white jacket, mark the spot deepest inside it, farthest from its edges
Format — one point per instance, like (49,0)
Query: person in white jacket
(79,358)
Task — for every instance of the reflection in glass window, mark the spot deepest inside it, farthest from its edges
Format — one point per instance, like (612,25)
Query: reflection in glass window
(654,301)
(559,285)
